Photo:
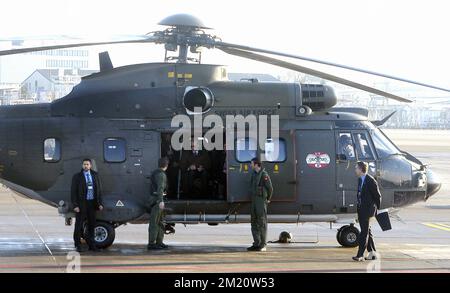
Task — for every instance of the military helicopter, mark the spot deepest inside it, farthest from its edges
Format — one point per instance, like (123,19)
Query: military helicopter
(121,119)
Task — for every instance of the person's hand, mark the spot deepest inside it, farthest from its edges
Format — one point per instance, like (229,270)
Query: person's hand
(100,207)
(192,167)
(268,201)
(161,205)
(77,210)
(200,168)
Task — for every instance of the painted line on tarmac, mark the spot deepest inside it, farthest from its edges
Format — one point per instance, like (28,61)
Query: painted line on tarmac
(36,231)
(439,226)
(201,268)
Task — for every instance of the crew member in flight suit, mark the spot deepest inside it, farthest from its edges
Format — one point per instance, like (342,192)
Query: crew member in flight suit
(261,190)
(156,204)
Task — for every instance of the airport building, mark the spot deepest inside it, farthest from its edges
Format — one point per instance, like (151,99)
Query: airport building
(46,85)
(42,76)
(16,68)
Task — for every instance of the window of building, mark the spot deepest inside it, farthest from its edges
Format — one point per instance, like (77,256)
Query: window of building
(245,149)
(114,150)
(52,150)
(274,150)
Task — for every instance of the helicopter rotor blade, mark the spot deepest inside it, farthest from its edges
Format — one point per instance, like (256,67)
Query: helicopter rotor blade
(306,70)
(74,45)
(221,45)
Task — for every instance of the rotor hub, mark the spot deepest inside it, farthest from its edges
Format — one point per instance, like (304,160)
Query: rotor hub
(183,21)
(185,34)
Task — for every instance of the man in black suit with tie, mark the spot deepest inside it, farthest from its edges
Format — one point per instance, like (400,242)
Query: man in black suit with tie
(369,200)
(86,195)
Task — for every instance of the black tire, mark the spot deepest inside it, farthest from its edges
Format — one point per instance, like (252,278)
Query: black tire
(338,236)
(105,234)
(348,236)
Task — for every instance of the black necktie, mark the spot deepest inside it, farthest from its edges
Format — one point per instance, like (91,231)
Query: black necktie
(359,191)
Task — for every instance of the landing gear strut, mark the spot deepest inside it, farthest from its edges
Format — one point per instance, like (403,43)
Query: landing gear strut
(347,236)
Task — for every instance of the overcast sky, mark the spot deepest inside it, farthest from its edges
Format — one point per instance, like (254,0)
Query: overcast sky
(405,38)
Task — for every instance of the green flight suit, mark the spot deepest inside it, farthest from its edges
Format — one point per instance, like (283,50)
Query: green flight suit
(156,222)
(261,190)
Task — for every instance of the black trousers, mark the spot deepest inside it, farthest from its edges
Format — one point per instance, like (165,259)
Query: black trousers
(87,214)
(189,178)
(365,238)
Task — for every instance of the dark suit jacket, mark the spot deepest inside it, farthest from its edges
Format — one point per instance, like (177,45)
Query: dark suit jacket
(370,197)
(188,158)
(79,190)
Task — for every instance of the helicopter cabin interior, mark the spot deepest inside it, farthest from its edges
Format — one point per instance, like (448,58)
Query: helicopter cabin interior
(207,174)
(194,174)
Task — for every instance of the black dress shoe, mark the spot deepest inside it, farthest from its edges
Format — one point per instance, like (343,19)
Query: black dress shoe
(163,246)
(153,247)
(372,256)
(252,248)
(358,258)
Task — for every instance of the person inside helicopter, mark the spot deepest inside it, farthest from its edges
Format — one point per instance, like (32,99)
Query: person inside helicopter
(189,183)
(346,146)
(195,168)
(174,162)
(219,172)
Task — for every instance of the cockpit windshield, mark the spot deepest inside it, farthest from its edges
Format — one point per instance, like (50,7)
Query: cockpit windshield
(383,145)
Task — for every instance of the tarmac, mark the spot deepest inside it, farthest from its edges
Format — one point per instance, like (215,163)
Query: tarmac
(33,237)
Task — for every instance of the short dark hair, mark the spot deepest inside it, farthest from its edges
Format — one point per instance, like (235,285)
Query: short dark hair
(256,161)
(163,162)
(363,166)
(87,160)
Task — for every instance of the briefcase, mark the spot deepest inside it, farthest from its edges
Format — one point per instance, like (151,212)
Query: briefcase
(383,220)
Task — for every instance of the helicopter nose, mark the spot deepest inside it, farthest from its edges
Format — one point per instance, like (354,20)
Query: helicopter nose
(433,184)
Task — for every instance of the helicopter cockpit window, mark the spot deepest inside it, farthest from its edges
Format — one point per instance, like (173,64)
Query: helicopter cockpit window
(114,150)
(382,144)
(52,150)
(245,149)
(274,150)
(346,146)
(362,147)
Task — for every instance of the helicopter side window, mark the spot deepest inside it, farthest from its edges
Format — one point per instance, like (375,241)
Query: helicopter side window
(274,150)
(245,149)
(362,147)
(345,146)
(52,150)
(114,150)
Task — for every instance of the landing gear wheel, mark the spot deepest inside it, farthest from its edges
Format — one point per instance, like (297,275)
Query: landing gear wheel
(347,236)
(104,234)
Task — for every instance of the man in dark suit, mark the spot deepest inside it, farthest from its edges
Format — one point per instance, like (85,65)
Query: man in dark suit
(86,195)
(368,200)
(195,164)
